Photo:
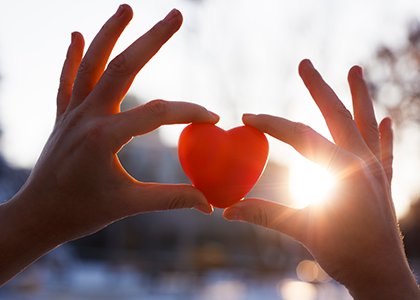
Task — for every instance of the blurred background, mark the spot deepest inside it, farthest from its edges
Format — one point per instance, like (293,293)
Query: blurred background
(231,56)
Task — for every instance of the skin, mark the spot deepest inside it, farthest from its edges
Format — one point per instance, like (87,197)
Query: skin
(78,185)
(353,233)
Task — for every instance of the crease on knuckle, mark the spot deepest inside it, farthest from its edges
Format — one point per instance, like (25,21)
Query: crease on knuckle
(65,83)
(177,202)
(302,130)
(118,66)
(356,170)
(389,159)
(85,66)
(157,107)
(260,217)
(372,126)
(94,135)
(339,107)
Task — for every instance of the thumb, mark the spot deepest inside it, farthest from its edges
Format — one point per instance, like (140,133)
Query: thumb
(160,197)
(267,214)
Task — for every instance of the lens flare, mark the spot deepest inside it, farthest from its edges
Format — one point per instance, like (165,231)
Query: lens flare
(309,183)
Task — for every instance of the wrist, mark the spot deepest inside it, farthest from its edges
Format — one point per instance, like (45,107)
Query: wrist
(26,235)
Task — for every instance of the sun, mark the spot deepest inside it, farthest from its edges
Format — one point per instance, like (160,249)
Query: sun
(309,183)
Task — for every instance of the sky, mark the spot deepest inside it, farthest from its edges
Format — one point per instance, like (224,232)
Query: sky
(231,56)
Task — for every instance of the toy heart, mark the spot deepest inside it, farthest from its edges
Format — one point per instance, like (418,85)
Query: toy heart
(223,165)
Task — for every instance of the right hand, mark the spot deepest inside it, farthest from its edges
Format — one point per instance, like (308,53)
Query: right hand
(353,233)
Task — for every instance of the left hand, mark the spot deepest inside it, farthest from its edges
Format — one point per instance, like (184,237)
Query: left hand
(78,185)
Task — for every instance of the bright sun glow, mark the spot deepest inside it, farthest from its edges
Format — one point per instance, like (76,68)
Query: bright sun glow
(308,182)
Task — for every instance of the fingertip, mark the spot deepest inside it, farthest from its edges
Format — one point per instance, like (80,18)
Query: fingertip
(304,65)
(309,74)
(248,117)
(355,72)
(127,7)
(124,9)
(196,195)
(233,214)
(386,122)
(214,116)
(174,16)
(205,208)
(76,47)
(76,38)
(385,129)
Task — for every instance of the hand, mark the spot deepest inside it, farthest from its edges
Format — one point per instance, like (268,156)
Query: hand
(78,185)
(353,233)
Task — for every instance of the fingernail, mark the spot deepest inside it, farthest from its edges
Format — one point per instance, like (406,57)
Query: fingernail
(214,114)
(120,11)
(247,115)
(172,14)
(360,71)
(389,120)
(308,61)
(206,209)
(73,37)
(233,214)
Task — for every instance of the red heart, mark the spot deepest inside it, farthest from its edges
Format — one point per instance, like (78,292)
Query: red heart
(223,165)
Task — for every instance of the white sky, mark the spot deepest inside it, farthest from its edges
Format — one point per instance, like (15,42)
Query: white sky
(232,56)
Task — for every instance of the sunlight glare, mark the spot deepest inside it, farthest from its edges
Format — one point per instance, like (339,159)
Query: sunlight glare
(309,183)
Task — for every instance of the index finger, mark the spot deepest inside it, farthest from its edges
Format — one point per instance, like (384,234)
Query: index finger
(147,117)
(307,142)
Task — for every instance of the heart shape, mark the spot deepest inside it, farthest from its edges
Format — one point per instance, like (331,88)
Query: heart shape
(223,165)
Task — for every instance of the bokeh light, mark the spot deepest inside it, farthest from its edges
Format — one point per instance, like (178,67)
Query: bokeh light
(225,290)
(311,271)
(293,290)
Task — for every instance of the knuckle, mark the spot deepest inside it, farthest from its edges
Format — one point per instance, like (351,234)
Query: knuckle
(339,107)
(65,84)
(94,135)
(157,107)
(301,129)
(118,66)
(85,66)
(259,217)
(157,30)
(372,125)
(177,202)
(304,138)
(389,158)
(359,169)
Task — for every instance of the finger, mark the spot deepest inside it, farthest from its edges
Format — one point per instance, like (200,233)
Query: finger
(339,120)
(68,74)
(268,214)
(145,118)
(387,140)
(364,114)
(121,72)
(149,197)
(307,142)
(96,58)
